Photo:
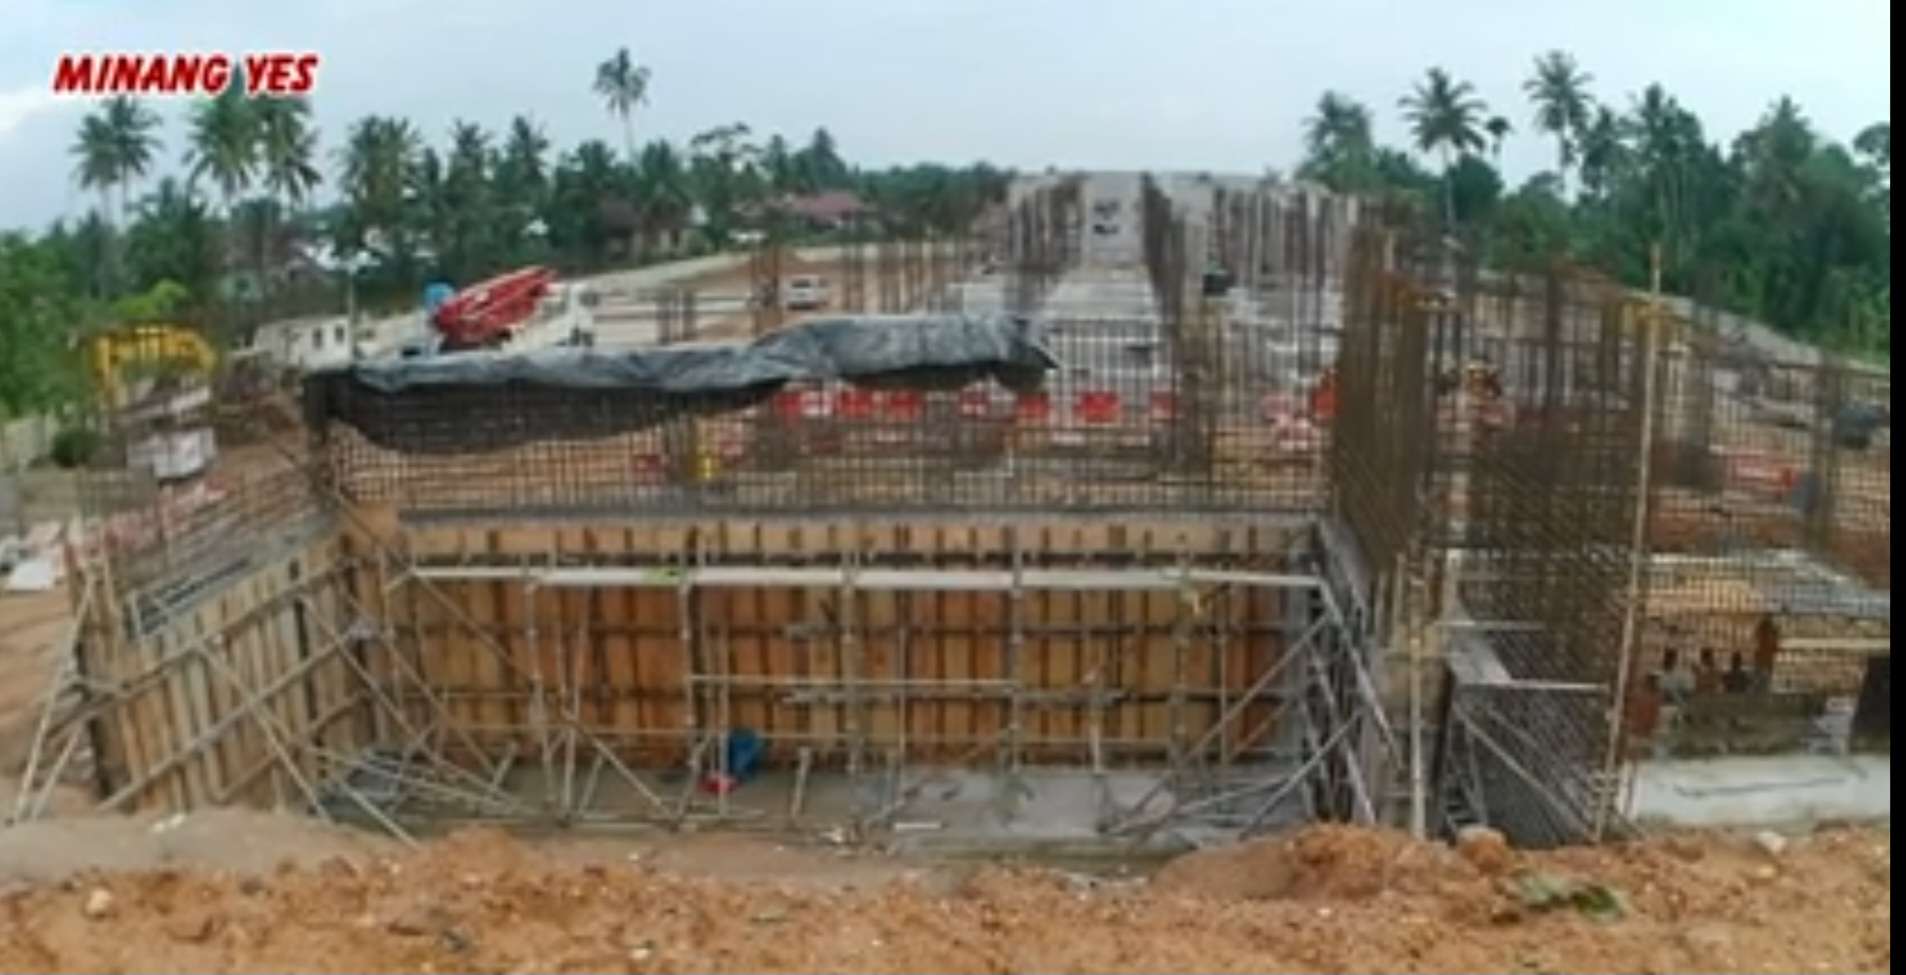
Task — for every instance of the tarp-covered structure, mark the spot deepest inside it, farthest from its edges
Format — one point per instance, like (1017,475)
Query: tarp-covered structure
(486,401)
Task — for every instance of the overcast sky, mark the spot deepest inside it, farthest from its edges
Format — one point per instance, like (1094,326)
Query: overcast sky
(1219,85)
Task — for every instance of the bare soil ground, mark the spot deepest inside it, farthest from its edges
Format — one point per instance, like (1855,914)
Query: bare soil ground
(30,625)
(252,892)
(246,891)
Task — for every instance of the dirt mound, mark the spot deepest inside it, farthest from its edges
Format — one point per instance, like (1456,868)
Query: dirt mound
(238,840)
(1319,862)
(1355,900)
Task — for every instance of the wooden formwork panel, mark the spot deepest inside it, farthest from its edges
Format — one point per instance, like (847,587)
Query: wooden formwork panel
(202,706)
(928,671)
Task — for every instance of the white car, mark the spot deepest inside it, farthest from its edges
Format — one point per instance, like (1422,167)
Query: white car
(804,292)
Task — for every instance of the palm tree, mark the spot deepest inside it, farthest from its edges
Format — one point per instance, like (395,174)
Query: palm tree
(466,187)
(115,145)
(523,154)
(97,155)
(1876,142)
(1604,150)
(662,185)
(522,177)
(1443,114)
(1340,122)
(131,126)
(1562,105)
(818,166)
(286,147)
(624,85)
(377,161)
(1338,145)
(175,239)
(224,142)
(1499,129)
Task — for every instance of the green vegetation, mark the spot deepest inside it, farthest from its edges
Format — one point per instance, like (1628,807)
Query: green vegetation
(75,446)
(1785,225)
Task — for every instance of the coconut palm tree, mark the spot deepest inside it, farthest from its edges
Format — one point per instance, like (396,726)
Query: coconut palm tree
(1499,128)
(96,157)
(174,239)
(662,186)
(1444,115)
(132,126)
(623,84)
(1339,149)
(522,178)
(1340,123)
(1876,142)
(223,143)
(287,146)
(1562,105)
(1604,151)
(522,164)
(376,165)
(471,225)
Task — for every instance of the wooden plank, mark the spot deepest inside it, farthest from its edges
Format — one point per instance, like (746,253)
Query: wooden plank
(278,636)
(208,618)
(192,793)
(328,678)
(238,649)
(1155,649)
(107,658)
(659,668)
(878,620)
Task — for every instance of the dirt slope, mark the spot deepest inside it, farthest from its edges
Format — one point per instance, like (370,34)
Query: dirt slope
(1330,899)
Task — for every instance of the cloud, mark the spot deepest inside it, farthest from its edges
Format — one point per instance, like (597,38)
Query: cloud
(20,104)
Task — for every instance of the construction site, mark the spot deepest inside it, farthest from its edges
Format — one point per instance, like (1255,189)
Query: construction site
(1178,513)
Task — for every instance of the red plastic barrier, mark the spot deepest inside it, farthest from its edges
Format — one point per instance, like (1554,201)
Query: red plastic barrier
(1032,408)
(1097,407)
(855,404)
(787,404)
(903,406)
(801,404)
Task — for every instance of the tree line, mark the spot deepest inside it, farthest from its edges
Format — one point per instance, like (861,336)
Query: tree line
(213,244)
(1784,224)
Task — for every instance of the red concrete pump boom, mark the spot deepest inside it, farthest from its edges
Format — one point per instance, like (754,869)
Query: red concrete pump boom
(486,313)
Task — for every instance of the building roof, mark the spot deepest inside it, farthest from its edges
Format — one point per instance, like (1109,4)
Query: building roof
(833,205)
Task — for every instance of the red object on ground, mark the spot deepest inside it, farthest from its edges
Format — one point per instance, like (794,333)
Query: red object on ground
(717,784)
(1323,399)
(487,312)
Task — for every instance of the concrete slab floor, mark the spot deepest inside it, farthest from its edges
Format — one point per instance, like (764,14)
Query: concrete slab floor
(1047,813)
(1762,790)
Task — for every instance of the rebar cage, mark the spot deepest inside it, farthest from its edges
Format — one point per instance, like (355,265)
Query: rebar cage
(1537,507)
